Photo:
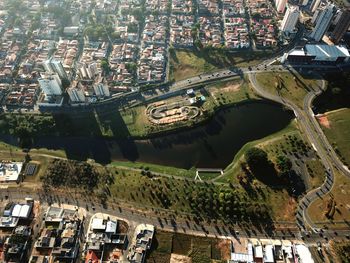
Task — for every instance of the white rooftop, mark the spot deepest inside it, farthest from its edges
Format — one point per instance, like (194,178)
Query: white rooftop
(21,211)
(111,227)
(304,254)
(269,258)
(258,252)
(97,224)
(9,172)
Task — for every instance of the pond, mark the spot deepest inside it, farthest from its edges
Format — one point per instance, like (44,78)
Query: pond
(210,145)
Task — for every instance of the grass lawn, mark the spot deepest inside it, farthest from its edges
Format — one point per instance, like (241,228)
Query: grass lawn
(341,195)
(208,175)
(292,86)
(338,132)
(156,168)
(231,91)
(136,121)
(286,142)
(185,64)
(316,172)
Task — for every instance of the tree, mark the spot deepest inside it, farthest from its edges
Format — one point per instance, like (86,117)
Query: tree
(105,66)
(336,91)
(256,157)
(284,164)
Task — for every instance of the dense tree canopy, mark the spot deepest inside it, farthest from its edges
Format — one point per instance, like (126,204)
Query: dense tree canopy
(256,158)
(70,173)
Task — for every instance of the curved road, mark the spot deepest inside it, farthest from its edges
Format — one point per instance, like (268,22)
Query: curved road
(319,142)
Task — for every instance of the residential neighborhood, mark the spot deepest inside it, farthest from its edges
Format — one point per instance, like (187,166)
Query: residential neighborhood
(33,232)
(130,51)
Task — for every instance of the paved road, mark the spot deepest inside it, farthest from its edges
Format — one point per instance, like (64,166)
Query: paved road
(317,139)
(166,221)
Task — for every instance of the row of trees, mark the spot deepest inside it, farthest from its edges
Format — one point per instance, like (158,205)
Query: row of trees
(226,203)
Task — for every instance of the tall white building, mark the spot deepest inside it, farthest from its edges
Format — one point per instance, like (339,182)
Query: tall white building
(316,16)
(281,5)
(304,2)
(88,71)
(290,19)
(101,90)
(322,22)
(55,66)
(76,95)
(51,85)
(314,5)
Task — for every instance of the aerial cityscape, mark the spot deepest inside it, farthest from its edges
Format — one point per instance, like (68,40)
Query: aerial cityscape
(174,131)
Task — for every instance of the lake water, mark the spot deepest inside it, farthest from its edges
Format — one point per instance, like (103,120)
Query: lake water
(213,144)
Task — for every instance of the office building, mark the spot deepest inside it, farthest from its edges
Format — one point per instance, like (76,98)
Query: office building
(101,90)
(281,5)
(55,66)
(341,27)
(51,85)
(290,20)
(337,17)
(316,16)
(322,22)
(314,5)
(304,2)
(76,95)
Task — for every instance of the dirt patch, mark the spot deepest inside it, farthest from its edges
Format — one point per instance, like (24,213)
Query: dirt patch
(225,249)
(323,120)
(290,209)
(227,88)
(231,87)
(176,258)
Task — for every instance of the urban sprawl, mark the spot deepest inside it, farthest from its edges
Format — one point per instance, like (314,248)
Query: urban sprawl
(102,49)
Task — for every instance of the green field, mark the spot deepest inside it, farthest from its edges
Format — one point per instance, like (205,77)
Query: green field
(338,132)
(290,85)
(156,168)
(185,64)
(231,91)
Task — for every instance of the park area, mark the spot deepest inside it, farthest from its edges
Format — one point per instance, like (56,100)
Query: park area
(182,248)
(335,125)
(185,64)
(290,85)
